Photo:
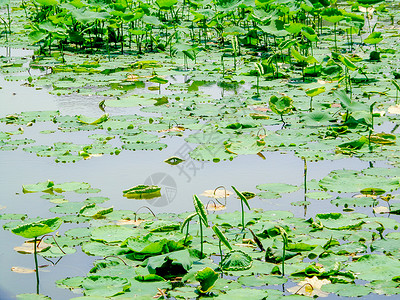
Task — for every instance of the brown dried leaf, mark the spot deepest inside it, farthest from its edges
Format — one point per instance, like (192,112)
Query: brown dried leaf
(22,270)
(28,247)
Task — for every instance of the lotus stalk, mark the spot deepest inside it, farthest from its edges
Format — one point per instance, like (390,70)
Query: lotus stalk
(284,236)
(243,201)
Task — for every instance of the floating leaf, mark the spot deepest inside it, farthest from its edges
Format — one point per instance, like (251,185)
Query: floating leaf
(142,192)
(236,260)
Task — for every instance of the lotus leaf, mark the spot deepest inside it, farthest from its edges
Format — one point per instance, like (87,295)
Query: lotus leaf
(36,229)
(70,186)
(112,233)
(142,192)
(207,278)
(92,121)
(278,188)
(92,210)
(347,290)
(245,293)
(175,263)
(281,106)
(361,202)
(337,181)
(318,195)
(236,260)
(245,145)
(146,146)
(104,285)
(374,267)
(211,152)
(56,252)
(99,249)
(38,187)
(32,297)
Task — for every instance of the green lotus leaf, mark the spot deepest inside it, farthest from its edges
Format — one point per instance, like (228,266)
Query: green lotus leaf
(166,4)
(92,121)
(374,38)
(32,297)
(384,287)
(112,233)
(211,152)
(245,145)
(92,210)
(175,263)
(206,277)
(386,246)
(262,280)
(338,181)
(222,237)
(360,202)
(149,278)
(140,138)
(315,91)
(38,187)
(157,79)
(200,210)
(245,293)
(375,267)
(146,146)
(143,290)
(277,188)
(13,217)
(241,197)
(339,221)
(142,192)
(54,251)
(106,286)
(162,226)
(95,199)
(35,229)
(347,290)
(332,15)
(318,195)
(317,118)
(70,186)
(99,249)
(67,208)
(281,106)
(174,160)
(236,260)
(143,247)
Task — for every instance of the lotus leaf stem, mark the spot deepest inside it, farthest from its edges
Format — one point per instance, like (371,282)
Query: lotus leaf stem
(309,284)
(55,241)
(116,257)
(221,186)
(36,266)
(154,215)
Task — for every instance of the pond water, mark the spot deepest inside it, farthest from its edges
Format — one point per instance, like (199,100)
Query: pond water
(112,174)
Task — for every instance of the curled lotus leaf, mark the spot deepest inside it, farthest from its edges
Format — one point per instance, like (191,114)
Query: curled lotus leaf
(38,187)
(281,106)
(236,260)
(174,160)
(92,121)
(142,192)
(35,229)
(207,278)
